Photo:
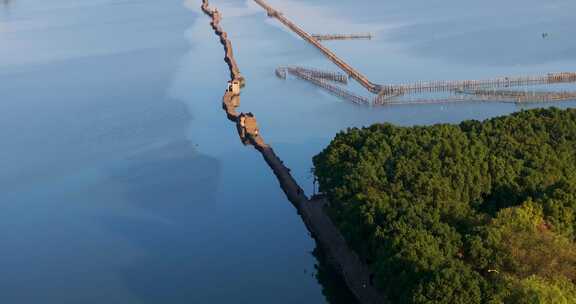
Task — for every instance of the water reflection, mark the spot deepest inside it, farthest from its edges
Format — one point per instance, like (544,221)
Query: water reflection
(334,288)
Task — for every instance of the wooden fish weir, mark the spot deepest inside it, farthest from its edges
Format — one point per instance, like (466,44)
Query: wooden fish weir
(321,37)
(348,69)
(326,75)
(447,99)
(502,82)
(332,89)
(522,96)
(421,101)
(387,94)
(486,96)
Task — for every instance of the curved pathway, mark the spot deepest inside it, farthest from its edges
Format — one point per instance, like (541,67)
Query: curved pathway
(355,273)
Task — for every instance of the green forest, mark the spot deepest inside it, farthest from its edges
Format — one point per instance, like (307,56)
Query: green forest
(476,212)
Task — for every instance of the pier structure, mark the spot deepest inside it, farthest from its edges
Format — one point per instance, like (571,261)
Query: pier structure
(348,69)
(351,267)
(363,36)
(388,94)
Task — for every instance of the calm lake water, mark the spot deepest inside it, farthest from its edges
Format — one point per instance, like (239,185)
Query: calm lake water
(123,182)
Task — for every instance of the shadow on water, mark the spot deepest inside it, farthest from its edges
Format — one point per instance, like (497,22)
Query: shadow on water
(174,184)
(334,288)
(180,241)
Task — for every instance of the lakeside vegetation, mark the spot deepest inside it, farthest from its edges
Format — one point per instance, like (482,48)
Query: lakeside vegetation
(479,212)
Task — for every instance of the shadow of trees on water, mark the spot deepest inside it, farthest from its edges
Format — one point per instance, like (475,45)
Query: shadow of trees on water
(334,288)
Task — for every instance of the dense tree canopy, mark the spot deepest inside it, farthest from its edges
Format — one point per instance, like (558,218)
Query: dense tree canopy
(480,212)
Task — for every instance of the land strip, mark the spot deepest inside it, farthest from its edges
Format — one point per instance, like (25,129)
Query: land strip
(356,274)
(448,86)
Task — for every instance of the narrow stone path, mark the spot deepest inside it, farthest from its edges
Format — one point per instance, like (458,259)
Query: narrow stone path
(356,274)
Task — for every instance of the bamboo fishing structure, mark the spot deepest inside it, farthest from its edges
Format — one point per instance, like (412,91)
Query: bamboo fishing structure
(495,96)
(389,93)
(481,89)
(332,89)
(460,91)
(521,96)
(322,79)
(348,69)
(321,74)
(363,36)
(501,82)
